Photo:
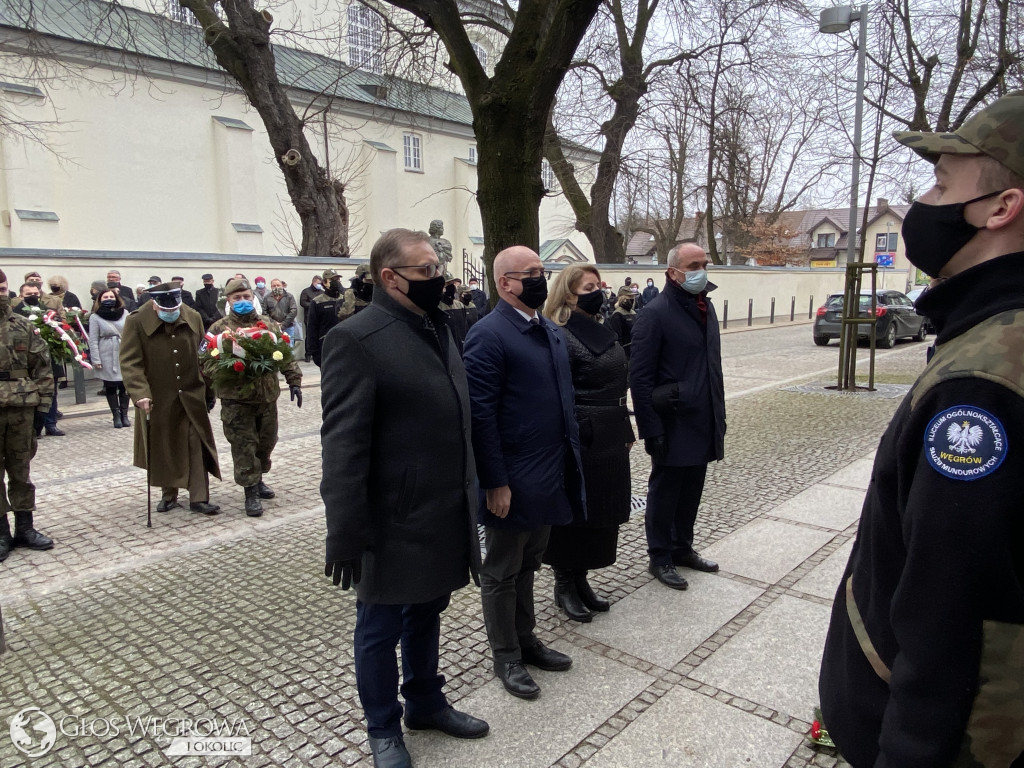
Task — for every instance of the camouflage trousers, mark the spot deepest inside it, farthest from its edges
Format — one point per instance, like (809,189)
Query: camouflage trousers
(17,447)
(251,429)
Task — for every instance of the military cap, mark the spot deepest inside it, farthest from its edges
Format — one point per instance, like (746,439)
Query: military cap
(625,291)
(996,131)
(462,290)
(207,276)
(329,274)
(235,285)
(449,278)
(166,295)
(31,274)
(363,271)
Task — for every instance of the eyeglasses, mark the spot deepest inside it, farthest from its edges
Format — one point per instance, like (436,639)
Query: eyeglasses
(545,273)
(429,270)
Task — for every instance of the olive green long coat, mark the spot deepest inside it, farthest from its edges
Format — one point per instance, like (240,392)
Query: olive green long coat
(161,361)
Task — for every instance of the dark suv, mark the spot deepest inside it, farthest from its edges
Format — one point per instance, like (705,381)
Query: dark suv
(896,319)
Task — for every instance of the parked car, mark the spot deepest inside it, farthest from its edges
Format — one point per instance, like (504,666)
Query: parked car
(896,319)
(914,294)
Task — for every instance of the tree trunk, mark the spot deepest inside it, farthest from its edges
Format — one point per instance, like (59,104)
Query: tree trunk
(242,47)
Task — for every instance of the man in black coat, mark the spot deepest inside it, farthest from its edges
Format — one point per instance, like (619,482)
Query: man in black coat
(306,297)
(527,447)
(206,302)
(399,489)
(186,296)
(127,294)
(675,373)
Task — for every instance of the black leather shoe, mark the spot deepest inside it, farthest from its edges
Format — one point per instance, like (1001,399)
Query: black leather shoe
(668,576)
(546,658)
(166,505)
(516,679)
(204,508)
(264,491)
(60,414)
(695,562)
(55,432)
(451,722)
(390,752)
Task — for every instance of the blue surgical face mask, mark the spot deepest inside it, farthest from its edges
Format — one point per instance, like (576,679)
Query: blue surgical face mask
(168,316)
(242,307)
(695,281)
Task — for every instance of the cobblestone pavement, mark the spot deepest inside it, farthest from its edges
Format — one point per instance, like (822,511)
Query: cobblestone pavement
(230,617)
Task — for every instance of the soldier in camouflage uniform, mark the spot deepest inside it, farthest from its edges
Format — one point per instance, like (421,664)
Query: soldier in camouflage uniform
(924,661)
(359,295)
(250,417)
(322,314)
(26,386)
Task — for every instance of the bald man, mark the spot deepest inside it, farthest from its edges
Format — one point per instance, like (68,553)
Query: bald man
(675,373)
(526,444)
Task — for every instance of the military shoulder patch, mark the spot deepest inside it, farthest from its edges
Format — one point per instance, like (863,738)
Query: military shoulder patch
(965,443)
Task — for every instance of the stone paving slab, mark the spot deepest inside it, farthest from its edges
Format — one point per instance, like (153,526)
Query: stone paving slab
(774,660)
(662,625)
(825,578)
(687,730)
(826,506)
(571,705)
(766,550)
(855,475)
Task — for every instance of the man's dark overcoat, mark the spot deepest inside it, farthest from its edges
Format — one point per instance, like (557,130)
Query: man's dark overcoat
(399,480)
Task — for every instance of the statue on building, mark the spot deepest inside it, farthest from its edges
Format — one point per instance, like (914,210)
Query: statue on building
(442,247)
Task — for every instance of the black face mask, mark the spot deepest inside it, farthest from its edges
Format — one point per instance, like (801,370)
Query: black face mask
(333,288)
(935,233)
(591,302)
(112,284)
(627,305)
(55,288)
(108,304)
(425,294)
(32,301)
(363,290)
(449,294)
(535,291)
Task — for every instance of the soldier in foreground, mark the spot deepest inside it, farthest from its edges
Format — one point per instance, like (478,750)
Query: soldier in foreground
(924,661)
(249,415)
(26,386)
(160,370)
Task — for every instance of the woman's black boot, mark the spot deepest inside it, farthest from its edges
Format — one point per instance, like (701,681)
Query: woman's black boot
(568,599)
(587,595)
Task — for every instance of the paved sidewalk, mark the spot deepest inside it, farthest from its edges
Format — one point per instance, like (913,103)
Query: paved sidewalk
(230,617)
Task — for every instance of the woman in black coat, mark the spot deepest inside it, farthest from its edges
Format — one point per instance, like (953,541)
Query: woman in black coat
(599,378)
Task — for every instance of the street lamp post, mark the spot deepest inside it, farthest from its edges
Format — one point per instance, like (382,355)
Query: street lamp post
(834,21)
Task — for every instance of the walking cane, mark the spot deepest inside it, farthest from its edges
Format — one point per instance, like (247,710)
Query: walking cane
(149,475)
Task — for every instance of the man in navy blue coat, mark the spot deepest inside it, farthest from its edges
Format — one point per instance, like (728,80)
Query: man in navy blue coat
(675,374)
(526,444)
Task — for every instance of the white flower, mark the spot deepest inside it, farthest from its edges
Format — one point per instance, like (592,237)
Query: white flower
(277,356)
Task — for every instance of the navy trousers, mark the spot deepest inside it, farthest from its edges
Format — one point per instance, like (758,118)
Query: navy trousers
(379,629)
(673,495)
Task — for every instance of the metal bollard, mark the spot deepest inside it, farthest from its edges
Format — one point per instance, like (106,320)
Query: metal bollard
(750,312)
(792,309)
(771,316)
(810,309)
(725,314)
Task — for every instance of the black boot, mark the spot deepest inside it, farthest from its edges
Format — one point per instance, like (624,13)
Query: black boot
(587,595)
(115,406)
(125,403)
(568,599)
(27,536)
(6,542)
(253,505)
(264,490)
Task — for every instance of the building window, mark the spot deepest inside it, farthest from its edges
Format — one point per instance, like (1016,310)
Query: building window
(365,31)
(885,242)
(472,153)
(547,174)
(827,240)
(481,54)
(183,15)
(413,152)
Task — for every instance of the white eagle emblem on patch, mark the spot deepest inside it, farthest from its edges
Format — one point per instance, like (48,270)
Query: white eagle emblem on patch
(964,438)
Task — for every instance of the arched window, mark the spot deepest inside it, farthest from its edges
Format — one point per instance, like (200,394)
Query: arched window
(481,53)
(365,31)
(547,175)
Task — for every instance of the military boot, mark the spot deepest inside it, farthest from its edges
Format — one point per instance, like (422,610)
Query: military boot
(6,542)
(253,506)
(264,490)
(27,536)
(125,402)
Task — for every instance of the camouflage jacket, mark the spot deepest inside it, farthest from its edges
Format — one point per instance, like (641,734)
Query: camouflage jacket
(267,388)
(350,305)
(26,378)
(924,661)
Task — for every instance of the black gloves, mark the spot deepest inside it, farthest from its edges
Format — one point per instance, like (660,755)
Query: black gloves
(344,572)
(38,420)
(657,449)
(296,391)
